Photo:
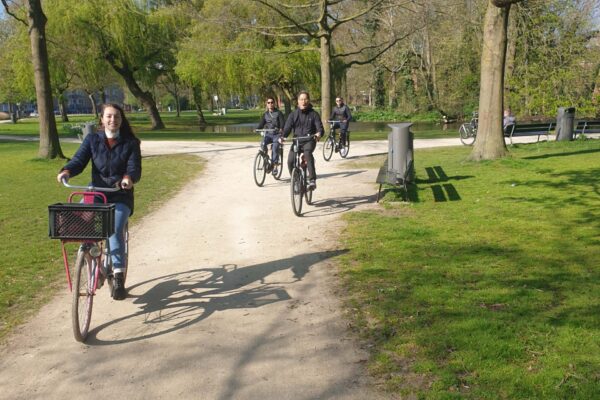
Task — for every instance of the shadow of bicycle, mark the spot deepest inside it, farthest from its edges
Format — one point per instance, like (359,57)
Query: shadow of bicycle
(175,301)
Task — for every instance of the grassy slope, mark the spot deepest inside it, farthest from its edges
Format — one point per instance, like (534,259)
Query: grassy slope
(485,285)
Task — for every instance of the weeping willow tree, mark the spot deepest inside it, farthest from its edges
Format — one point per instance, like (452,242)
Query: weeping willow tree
(223,56)
(137,43)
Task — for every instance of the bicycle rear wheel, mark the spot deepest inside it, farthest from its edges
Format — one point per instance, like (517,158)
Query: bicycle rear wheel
(83,297)
(346,146)
(260,169)
(467,134)
(296,191)
(280,170)
(308,195)
(328,147)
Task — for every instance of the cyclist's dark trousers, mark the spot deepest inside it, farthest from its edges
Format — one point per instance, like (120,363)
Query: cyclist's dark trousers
(272,138)
(307,148)
(343,127)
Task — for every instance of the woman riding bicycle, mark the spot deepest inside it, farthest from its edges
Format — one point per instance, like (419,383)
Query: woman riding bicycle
(116,160)
(304,121)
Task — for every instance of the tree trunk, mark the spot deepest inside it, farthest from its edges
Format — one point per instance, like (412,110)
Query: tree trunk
(511,52)
(325,78)
(490,144)
(49,143)
(144,97)
(63,109)
(94,106)
(197,93)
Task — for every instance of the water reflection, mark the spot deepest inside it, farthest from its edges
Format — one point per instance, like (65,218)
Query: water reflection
(421,129)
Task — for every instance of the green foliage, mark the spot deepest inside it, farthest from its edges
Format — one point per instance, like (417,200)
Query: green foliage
(485,285)
(555,61)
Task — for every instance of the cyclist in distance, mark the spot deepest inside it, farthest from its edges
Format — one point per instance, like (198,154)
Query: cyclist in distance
(341,112)
(304,121)
(272,119)
(116,160)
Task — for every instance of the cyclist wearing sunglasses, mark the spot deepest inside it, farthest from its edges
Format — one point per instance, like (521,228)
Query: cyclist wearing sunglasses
(272,119)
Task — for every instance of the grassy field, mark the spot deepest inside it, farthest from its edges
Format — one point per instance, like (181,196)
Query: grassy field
(487,284)
(236,125)
(31,268)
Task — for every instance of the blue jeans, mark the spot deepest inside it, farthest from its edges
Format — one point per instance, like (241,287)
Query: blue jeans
(270,138)
(117,240)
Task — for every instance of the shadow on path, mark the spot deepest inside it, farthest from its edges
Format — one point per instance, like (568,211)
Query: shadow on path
(182,299)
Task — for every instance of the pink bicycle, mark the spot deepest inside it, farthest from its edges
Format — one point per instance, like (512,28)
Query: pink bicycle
(89,223)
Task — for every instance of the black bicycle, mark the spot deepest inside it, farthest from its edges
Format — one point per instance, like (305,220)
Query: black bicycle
(299,176)
(331,144)
(262,162)
(468,130)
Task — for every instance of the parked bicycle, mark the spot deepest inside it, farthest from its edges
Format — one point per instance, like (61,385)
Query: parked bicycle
(263,164)
(468,130)
(299,176)
(89,223)
(331,144)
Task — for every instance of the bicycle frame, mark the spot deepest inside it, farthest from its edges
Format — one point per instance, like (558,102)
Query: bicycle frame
(88,197)
(262,161)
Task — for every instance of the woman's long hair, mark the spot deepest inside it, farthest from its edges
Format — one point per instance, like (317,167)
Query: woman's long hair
(125,130)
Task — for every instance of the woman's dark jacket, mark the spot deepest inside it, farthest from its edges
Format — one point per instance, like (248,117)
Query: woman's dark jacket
(109,166)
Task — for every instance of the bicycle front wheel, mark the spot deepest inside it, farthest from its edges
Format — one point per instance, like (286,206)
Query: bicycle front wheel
(296,190)
(260,169)
(328,147)
(345,146)
(83,296)
(125,250)
(467,134)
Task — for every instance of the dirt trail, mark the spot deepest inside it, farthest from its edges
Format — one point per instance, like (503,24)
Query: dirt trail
(231,296)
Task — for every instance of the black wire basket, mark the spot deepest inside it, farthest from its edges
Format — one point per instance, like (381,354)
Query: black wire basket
(81,221)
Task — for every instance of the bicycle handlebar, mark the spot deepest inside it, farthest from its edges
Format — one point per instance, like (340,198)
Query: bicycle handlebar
(264,131)
(89,188)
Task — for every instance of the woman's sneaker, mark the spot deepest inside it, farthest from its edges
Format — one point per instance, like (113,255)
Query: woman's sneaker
(119,292)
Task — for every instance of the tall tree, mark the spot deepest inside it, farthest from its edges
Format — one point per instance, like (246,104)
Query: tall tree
(36,23)
(490,136)
(319,21)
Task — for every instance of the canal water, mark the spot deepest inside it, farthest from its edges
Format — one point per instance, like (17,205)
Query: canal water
(424,130)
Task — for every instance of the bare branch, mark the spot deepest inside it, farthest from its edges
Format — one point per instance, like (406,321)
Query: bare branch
(367,10)
(374,57)
(284,15)
(5,4)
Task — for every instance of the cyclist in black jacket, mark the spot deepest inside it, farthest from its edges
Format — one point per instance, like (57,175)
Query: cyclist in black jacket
(304,121)
(272,119)
(341,112)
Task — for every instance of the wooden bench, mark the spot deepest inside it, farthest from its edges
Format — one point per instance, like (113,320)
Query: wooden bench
(584,127)
(529,130)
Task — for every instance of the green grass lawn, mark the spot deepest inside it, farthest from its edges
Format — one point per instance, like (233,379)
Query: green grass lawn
(185,127)
(31,266)
(487,284)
